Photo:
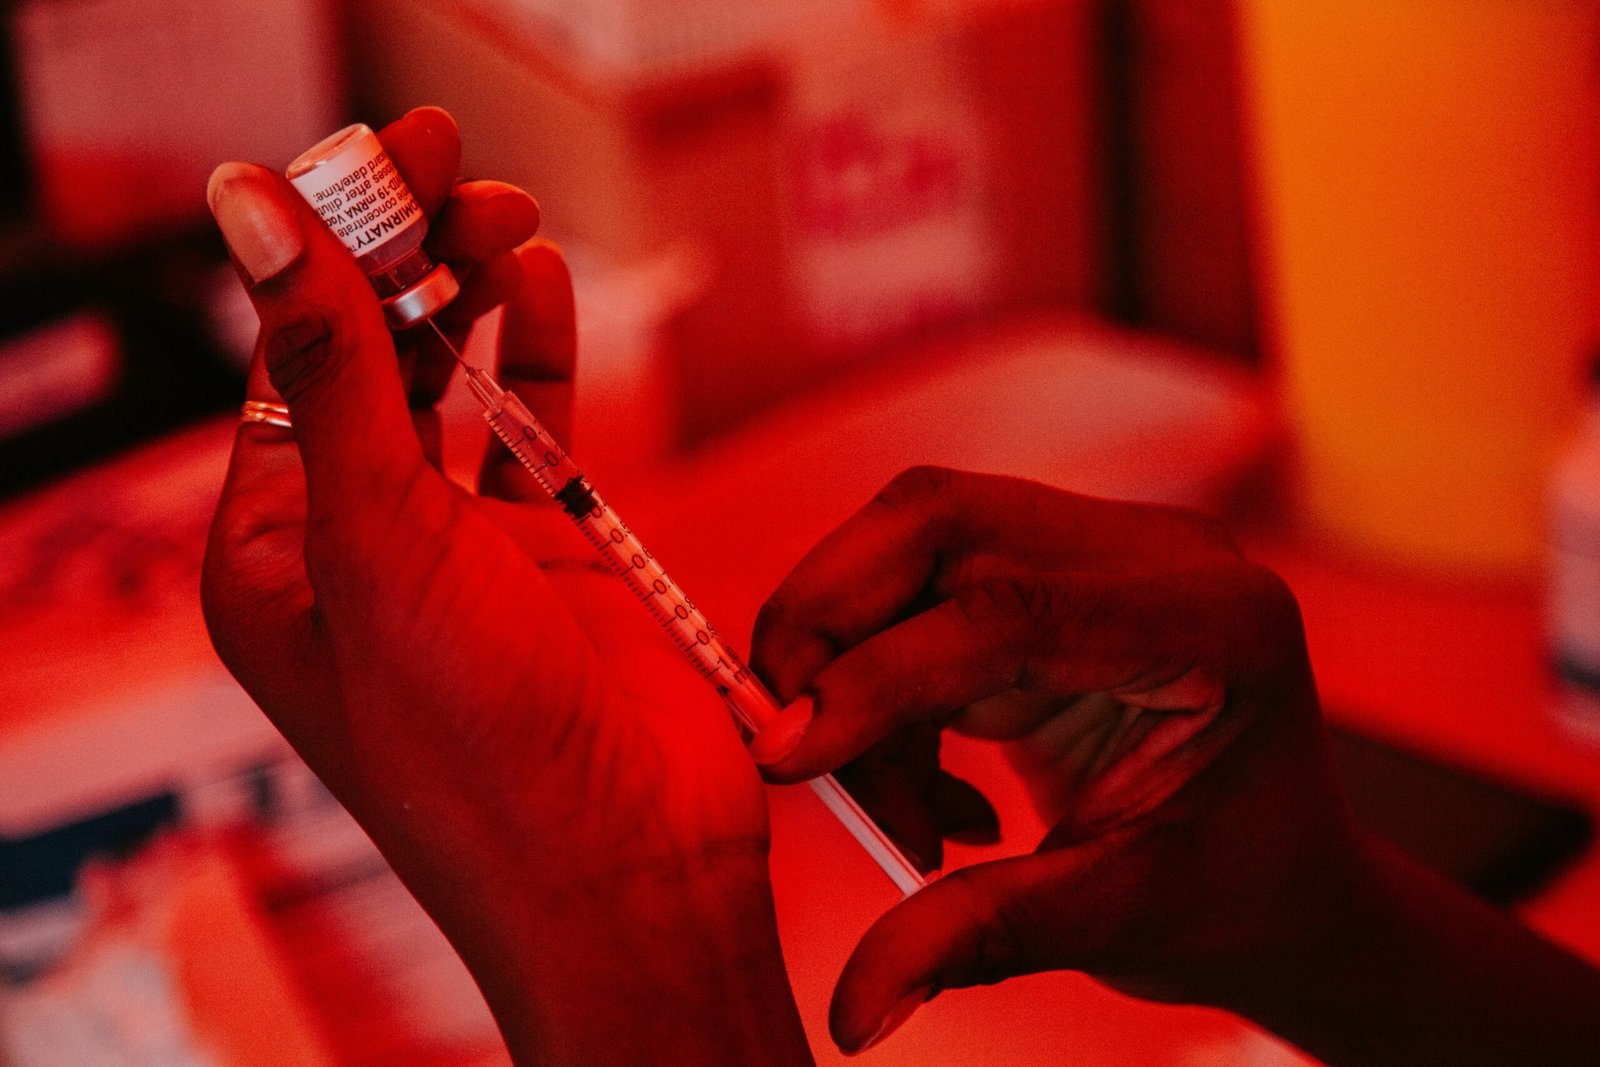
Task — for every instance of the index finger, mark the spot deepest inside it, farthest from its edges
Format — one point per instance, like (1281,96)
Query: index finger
(924,526)
(425,147)
(932,531)
(1159,644)
(852,583)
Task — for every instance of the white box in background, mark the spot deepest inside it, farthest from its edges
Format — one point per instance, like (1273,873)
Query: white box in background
(639,37)
(889,203)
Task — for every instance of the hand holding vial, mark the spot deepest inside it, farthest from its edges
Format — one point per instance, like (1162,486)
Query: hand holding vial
(558,789)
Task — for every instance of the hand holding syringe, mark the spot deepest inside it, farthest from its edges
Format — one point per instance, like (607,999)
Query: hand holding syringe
(386,236)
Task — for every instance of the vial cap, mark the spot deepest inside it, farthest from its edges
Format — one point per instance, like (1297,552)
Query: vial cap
(329,147)
(422,300)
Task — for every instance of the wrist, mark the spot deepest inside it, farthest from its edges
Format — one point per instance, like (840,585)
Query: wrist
(667,962)
(1417,970)
(1332,939)
(1310,941)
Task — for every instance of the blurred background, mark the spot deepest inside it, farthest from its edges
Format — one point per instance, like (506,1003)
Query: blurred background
(1325,269)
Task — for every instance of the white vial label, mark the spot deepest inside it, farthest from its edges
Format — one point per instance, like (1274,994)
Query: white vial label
(360,195)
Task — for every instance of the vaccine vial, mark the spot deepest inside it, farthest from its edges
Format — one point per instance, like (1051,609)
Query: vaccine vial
(359,193)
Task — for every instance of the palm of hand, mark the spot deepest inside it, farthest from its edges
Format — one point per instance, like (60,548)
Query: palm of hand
(455,671)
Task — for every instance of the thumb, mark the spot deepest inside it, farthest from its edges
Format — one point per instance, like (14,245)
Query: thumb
(324,342)
(976,926)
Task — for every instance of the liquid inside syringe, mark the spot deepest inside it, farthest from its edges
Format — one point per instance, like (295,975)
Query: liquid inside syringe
(750,702)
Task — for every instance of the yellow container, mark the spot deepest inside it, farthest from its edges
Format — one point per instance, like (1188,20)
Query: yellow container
(1427,175)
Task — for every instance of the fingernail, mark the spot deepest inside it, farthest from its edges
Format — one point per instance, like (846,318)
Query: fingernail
(892,1021)
(782,735)
(261,230)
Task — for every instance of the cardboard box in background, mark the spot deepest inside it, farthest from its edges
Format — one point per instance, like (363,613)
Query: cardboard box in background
(701,154)
(128,104)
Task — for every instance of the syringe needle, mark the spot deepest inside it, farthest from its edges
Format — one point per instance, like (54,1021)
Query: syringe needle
(446,342)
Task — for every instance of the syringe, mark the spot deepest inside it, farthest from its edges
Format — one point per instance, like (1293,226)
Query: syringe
(684,623)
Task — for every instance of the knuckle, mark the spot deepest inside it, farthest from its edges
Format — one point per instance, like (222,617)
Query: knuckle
(1212,532)
(1011,612)
(773,622)
(1002,929)
(1269,598)
(1011,600)
(916,486)
(1262,624)
(773,616)
(1198,529)
(304,349)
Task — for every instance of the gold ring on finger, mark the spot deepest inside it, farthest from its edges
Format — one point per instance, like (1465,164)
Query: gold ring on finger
(262,411)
